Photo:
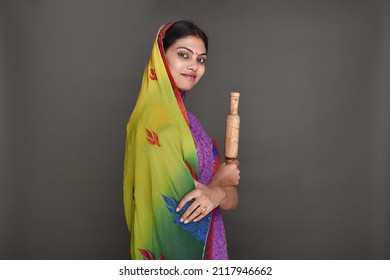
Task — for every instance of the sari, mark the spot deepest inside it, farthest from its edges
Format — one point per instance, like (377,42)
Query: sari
(166,149)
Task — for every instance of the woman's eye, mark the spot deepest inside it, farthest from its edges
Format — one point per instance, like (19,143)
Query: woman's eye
(183,54)
(201,60)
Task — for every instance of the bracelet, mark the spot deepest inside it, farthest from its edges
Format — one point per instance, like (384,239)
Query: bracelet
(235,200)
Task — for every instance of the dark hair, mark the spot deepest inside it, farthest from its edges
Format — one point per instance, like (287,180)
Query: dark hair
(181,29)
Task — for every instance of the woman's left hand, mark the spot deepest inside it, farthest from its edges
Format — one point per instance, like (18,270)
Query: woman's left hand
(206,199)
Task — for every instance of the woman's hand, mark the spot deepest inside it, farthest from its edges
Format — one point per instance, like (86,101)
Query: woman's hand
(227,175)
(208,197)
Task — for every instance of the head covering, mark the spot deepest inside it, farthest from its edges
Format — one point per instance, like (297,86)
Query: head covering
(160,164)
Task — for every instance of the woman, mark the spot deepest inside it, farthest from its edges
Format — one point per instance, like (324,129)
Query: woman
(173,187)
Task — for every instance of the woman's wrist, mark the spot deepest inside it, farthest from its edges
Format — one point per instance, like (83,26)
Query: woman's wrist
(216,183)
(228,194)
(231,198)
(222,193)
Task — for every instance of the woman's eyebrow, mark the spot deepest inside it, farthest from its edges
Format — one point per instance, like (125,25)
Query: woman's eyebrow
(191,51)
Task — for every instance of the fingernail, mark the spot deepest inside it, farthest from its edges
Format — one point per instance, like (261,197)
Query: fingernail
(195,220)
(181,220)
(177,209)
(186,221)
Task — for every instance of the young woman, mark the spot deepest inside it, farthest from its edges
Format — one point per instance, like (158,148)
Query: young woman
(173,184)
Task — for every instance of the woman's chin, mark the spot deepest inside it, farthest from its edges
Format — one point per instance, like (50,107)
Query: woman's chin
(186,87)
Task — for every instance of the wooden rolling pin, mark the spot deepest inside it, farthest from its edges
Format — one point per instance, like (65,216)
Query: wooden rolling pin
(232,129)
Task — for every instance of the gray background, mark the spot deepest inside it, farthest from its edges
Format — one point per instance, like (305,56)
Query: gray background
(314,79)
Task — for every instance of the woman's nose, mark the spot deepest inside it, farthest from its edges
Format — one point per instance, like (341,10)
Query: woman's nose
(192,66)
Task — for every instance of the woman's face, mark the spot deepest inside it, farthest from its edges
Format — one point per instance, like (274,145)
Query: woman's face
(186,60)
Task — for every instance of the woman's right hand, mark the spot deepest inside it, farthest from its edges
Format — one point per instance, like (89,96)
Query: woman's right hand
(227,175)
(217,193)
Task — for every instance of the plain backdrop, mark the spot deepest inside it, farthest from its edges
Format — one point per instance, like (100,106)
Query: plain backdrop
(315,122)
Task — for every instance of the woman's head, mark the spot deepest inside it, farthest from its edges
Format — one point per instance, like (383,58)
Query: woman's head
(185,47)
(181,29)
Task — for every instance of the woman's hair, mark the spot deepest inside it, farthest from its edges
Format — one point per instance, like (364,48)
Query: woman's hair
(181,29)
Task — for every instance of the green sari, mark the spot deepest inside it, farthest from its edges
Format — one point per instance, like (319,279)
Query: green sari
(161,163)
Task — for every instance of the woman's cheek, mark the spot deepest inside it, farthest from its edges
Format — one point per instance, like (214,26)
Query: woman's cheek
(201,73)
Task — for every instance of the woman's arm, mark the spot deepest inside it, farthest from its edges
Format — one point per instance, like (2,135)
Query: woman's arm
(220,192)
(227,178)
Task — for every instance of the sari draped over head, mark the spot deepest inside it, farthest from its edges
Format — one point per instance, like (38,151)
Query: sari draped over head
(162,159)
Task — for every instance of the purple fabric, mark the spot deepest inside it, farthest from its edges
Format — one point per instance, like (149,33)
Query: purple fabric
(204,147)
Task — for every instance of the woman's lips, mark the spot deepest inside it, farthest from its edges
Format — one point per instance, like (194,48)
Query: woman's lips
(189,76)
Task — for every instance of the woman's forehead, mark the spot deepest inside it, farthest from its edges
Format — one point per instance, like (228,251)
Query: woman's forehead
(194,43)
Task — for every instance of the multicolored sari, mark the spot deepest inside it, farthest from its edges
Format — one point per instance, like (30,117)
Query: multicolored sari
(161,162)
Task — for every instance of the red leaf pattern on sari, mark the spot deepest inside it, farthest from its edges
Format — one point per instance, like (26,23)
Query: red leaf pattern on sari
(152,137)
(148,255)
(191,169)
(153,75)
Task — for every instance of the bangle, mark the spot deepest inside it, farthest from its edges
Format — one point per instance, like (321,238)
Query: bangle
(235,199)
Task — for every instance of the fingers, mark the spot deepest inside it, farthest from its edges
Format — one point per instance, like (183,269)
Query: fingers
(234,173)
(233,167)
(198,214)
(201,200)
(188,197)
(196,210)
(235,162)
(186,216)
(227,174)
(202,214)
